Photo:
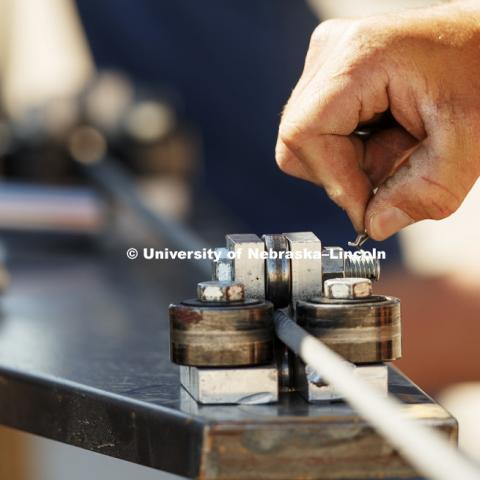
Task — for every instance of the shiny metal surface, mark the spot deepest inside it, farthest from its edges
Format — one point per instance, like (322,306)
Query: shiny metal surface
(363,266)
(248,264)
(220,291)
(338,263)
(220,334)
(84,360)
(306,273)
(359,241)
(333,263)
(311,386)
(277,271)
(222,270)
(349,288)
(361,330)
(246,385)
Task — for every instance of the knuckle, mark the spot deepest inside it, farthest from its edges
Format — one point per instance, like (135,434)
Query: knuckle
(365,40)
(359,34)
(283,161)
(284,158)
(290,135)
(360,29)
(325,29)
(317,35)
(337,194)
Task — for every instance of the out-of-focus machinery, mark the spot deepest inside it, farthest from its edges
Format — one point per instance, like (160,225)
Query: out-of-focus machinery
(50,154)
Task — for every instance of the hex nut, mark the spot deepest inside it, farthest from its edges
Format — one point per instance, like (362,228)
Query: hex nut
(217,291)
(347,288)
(222,270)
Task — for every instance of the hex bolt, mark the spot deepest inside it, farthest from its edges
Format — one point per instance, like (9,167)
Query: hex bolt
(222,270)
(223,292)
(347,288)
(364,267)
(336,263)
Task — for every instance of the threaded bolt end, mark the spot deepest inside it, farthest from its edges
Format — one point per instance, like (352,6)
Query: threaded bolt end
(362,267)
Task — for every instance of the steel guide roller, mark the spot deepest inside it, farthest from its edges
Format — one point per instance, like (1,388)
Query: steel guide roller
(218,333)
(362,330)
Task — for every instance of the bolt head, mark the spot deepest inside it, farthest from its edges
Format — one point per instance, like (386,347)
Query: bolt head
(347,288)
(217,291)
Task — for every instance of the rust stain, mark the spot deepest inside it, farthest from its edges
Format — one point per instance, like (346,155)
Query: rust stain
(187,315)
(310,448)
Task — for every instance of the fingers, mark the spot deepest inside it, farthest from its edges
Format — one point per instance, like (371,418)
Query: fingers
(315,144)
(385,151)
(331,98)
(290,163)
(427,186)
(356,169)
(331,161)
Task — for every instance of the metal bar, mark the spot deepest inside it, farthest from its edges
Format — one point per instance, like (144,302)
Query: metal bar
(29,207)
(115,180)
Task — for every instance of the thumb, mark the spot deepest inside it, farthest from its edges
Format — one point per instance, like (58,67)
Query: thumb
(426,186)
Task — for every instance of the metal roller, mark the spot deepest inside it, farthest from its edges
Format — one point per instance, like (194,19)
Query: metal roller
(216,334)
(277,270)
(360,330)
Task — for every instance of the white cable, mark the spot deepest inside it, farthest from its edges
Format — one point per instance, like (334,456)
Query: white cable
(424,448)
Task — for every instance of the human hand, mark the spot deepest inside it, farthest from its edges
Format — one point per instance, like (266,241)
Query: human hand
(421,65)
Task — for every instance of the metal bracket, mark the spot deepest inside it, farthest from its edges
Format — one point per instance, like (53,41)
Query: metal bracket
(249,385)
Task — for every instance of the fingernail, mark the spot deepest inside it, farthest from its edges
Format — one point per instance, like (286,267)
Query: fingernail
(387,222)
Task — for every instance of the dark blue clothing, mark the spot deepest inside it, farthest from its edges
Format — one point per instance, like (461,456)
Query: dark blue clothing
(234,64)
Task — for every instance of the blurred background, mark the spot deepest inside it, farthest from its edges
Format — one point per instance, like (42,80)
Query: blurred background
(168,111)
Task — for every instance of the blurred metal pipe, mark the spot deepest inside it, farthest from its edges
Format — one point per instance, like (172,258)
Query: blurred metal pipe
(113,178)
(29,207)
